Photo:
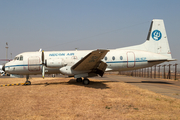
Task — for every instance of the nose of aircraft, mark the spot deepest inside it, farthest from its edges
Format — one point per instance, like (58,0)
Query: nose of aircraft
(3,68)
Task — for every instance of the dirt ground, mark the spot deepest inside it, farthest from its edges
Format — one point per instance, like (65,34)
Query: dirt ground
(63,98)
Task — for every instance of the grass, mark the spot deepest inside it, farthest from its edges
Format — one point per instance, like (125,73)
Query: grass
(61,98)
(107,107)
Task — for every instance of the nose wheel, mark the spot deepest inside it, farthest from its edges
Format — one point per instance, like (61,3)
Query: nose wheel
(28,83)
(27,80)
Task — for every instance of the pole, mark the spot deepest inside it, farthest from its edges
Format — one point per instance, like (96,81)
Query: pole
(11,56)
(155,71)
(151,71)
(159,70)
(175,70)
(6,51)
(164,72)
(169,77)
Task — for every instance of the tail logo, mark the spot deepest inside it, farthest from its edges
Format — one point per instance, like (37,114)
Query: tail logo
(156,35)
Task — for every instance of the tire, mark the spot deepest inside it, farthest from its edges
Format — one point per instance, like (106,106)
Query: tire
(79,80)
(86,81)
(28,83)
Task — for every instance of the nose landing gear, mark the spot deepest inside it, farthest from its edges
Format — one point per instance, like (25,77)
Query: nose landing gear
(27,80)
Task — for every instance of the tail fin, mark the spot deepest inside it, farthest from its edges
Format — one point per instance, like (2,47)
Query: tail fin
(157,41)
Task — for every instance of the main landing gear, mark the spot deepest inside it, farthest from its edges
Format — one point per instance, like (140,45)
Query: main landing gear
(79,80)
(85,81)
(27,80)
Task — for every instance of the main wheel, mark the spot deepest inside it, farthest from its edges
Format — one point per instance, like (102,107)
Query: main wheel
(86,81)
(79,80)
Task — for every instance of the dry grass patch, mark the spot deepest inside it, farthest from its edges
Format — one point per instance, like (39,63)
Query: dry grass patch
(62,98)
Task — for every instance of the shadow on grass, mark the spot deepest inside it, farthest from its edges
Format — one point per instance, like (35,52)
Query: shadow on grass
(93,84)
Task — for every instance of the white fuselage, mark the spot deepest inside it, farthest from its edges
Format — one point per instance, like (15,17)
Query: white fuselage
(29,63)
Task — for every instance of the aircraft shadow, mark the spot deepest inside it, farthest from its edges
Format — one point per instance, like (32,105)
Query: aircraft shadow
(93,84)
(154,82)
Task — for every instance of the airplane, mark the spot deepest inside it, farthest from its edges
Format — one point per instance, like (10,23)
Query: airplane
(82,64)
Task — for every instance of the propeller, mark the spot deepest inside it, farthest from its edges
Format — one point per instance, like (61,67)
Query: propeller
(43,64)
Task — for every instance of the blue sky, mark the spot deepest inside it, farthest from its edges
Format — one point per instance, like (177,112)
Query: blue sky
(28,25)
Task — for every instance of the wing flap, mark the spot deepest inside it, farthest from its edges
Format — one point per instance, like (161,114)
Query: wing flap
(90,61)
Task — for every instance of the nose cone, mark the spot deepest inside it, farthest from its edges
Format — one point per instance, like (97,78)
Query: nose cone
(3,68)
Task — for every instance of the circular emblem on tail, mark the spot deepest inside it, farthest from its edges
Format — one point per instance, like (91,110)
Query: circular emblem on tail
(156,35)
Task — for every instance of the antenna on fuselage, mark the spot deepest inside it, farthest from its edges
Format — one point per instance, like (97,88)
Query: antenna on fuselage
(40,50)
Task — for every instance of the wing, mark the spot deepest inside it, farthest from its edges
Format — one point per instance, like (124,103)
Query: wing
(90,61)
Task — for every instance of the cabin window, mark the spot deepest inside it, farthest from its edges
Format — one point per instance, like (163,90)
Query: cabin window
(105,58)
(121,57)
(21,57)
(113,58)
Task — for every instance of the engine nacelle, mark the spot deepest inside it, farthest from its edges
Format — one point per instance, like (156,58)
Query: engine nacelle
(55,63)
(68,71)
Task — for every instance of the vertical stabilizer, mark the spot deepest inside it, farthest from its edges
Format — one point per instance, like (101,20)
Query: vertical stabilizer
(157,41)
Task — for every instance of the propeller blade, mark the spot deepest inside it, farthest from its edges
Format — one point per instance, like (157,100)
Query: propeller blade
(43,57)
(43,71)
(43,65)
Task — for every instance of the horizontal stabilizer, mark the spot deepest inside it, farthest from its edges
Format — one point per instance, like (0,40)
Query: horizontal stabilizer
(162,60)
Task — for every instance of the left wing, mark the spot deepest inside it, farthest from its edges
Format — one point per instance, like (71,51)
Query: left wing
(91,61)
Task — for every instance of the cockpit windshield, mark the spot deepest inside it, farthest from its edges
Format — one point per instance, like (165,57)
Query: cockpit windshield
(16,58)
(19,58)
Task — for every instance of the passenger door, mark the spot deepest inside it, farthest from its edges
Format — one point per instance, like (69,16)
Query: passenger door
(34,63)
(130,59)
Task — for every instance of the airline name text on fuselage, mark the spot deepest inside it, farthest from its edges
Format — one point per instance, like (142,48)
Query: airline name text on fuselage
(61,54)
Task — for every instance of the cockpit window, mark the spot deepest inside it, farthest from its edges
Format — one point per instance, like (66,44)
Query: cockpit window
(16,58)
(21,57)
